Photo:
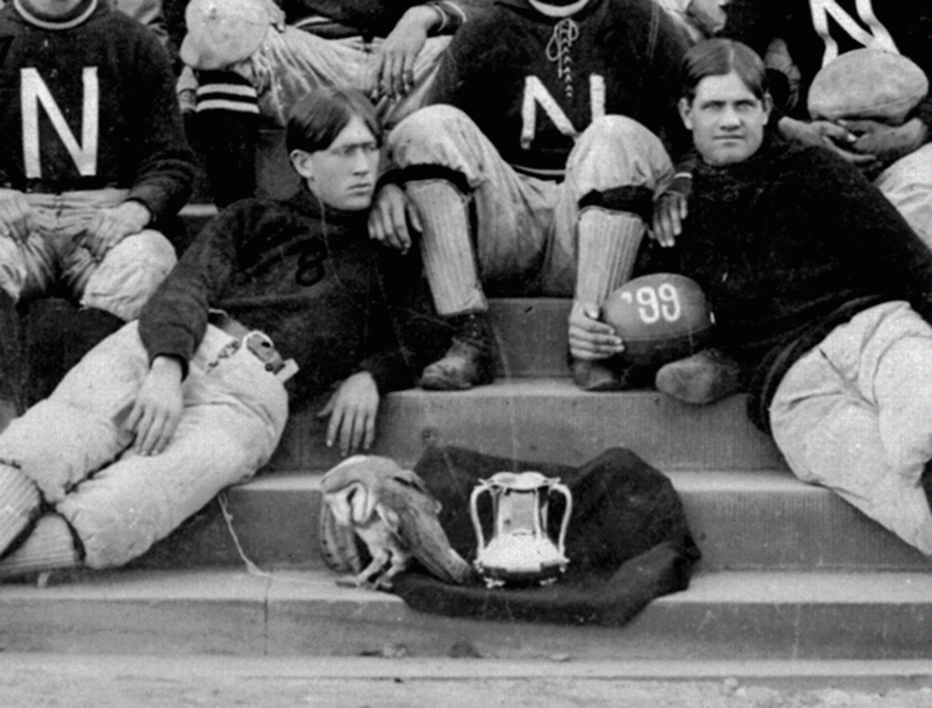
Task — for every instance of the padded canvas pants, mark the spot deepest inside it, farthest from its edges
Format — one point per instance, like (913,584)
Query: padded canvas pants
(527,225)
(73,445)
(855,415)
(290,63)
(907,183)
(120,283)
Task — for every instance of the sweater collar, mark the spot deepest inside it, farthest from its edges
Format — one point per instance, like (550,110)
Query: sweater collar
(79,14)
(309,205)
(526,8)
(772,147)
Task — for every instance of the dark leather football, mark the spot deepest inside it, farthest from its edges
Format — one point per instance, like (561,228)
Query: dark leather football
(661,317)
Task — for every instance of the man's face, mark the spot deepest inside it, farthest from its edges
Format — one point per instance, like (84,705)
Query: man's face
(726,119)
(342,175)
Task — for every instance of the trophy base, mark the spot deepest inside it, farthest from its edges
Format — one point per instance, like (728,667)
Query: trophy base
(509,577)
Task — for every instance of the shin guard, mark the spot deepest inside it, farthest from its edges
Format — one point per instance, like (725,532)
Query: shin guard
(50,546)
(608,243)
(446,247)
(19,505)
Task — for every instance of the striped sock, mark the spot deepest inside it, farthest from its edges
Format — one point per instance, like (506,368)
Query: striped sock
(446,247)
(226,91)
(608,247)
(49,547)
(19,505)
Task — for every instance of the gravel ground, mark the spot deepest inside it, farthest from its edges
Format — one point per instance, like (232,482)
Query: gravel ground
(103,682)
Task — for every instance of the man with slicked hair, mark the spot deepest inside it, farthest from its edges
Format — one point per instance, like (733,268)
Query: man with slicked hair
(274,301)
(822,295)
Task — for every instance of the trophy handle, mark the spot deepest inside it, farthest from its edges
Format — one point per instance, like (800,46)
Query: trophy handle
(474,514)
(564,524)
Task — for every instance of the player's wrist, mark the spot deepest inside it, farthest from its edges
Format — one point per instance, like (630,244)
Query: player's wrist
(138,212)
(165,366)
(425,17)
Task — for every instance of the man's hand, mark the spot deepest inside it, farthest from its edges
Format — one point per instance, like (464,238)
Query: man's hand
(828,135)
(390,217)
(391,68)
(589,338)
(157,410)
(352,409)
(670,210)
(113,224)
(886,142)
(14,215)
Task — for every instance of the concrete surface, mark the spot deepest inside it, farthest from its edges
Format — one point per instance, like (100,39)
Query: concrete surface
(116,682)
(724,616)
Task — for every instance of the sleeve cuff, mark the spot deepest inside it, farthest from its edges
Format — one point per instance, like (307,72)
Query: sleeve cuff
(152,198)
(388,370)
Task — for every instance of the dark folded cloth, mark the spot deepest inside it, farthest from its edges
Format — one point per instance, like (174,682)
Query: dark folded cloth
(628,541)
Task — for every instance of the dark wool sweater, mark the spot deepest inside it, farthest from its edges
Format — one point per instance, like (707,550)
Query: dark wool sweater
(327,296)
(786,246)
(621,56)
(908,24)
(59,65)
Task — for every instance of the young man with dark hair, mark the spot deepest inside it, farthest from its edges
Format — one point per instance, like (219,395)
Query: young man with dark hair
(94,165)
(547,126)
(821,292)
(801,38)
(254,59)
(171,409)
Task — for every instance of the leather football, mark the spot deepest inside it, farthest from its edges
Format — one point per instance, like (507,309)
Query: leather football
(661,317)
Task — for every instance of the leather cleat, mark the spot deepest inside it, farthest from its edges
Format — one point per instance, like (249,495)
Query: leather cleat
(596,376)
(705,377)
(462,367)
(470,361)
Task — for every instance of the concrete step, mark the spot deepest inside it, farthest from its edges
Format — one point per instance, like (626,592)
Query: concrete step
(762,520)
(723,616)
(196,216)
(108,681)
(549,419)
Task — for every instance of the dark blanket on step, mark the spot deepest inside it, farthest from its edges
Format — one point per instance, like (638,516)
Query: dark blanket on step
(627,542)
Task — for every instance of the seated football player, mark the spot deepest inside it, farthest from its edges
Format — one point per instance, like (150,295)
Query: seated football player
(254,59)
(880,109)
(94,169)
(821,292)
(273,301)
(533,170)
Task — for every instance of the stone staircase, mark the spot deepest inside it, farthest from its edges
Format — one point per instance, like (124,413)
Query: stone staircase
(789,572)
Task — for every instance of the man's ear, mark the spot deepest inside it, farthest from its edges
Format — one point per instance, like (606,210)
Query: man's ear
(685,108)
(302,163)
(768,104)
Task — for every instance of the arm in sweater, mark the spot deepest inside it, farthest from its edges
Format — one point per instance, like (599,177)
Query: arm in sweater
(891,252)
(165,170)
(174,320)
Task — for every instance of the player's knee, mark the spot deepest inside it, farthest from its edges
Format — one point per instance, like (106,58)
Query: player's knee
(130,274)
(615,130)
(427,125)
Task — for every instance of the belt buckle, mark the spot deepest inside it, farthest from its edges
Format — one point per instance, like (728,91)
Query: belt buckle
(264,350)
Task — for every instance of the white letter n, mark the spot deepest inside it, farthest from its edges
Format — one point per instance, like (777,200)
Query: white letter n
(34,91)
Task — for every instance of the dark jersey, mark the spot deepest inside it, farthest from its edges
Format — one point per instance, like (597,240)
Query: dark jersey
(533,83)
(314,283)
(87,102)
